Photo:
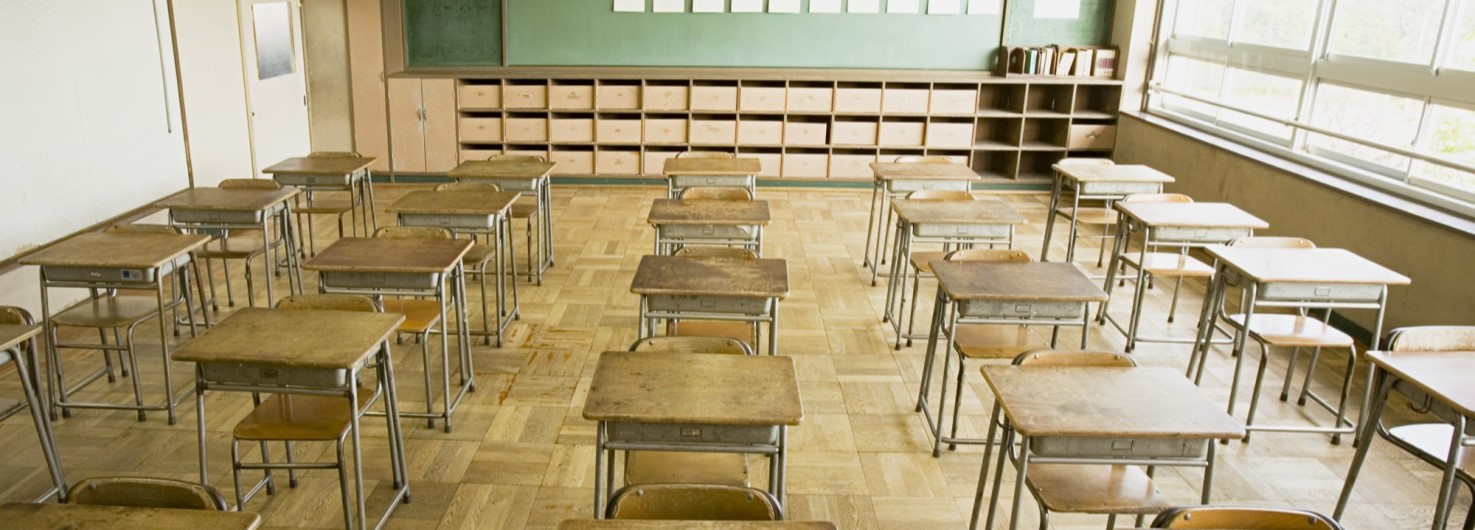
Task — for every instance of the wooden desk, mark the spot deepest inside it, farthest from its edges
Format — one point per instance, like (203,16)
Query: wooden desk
(528,177)
(205,210)
(471,212)
(408,267)
(895,180)
(1105,416)
(682,173)
(107,261)
(1445,378)
(18,343)
(673,287)
(1051,294)
(952,224)
(303,352)
(332,173)
(606,524)
(1176,225)
(679,222)
(691,402)
(1095,183)
(1311,278)
(79,517)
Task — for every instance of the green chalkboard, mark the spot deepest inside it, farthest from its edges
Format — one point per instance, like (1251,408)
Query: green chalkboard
(1092,28)
(453,32)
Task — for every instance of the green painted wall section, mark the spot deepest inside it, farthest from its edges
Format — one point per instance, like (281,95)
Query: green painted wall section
(453,32)
(1092,28)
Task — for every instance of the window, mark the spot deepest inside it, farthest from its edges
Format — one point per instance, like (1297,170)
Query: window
(1277,23)
(1384,118)
(1464,39)
(1450,136)
(1402,31)
(1209,18)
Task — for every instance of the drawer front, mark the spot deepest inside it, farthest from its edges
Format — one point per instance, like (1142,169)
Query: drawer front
(811,99)
(1118,447)
(713,132)
(857,100)
(770,162)
(989,309)
(712,434)
(720,232)
(478,154)
(527,129)
(851,166)
(962,102)
(970,231)
(806,165)
(949,135)
(1199,235)
(617,163)
(727,305)
(525,97)
(468,222)
(571,97)
(571,130)
(761,99)
(315,181)
(1320,292)
(216,216)
(1120,188)
(254,374)
(479,96)
(760,132)
(376,280)
(480,130)
(619,97)
(617,131)
(904,101)
(655,161)
(666,97)
(718,98)
(574,162)
(898,186)
(720,181)
(854,133)
(100,274)
(1092,137)
(665,131)
(799,133)
(902,133)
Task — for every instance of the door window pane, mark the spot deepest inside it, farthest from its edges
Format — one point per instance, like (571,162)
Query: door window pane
(1205,18)
(1452,136)
(1278,23)
(1267,94)
(1384,118)
(1402,31)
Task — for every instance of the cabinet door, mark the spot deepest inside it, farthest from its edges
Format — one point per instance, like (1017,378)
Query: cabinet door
(406,129)
(438,98)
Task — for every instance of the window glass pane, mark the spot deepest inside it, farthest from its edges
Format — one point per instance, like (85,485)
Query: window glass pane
(1205,18)
(1278,23)
(1263,93)
(1452,136)
(1464,39)
(1382,118)
(1402,31)
(1194,77)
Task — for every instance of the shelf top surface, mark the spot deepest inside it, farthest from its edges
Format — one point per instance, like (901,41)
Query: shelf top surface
(756,74)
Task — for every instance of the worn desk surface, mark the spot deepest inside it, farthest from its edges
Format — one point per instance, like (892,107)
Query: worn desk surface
(1117,173)
(694,388)
(14,334)
(711,166)
(1107,402)
(1319,265)
(1190,214)
(337,340)
(330,165)
(227,199)
(1033,281)
(985,211)
(608,524)
(1445,376)
(914,171)
(676,275)
(358,254)
(679,212)
(517,169)
(116,250)
(80,517)
(460,202)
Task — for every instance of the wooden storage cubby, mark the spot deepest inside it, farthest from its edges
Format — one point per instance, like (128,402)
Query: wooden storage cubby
(1043,133)
(1044,100)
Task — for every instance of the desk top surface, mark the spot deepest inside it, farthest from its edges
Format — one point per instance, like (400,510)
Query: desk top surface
(326,165)
(459,202)
(1009,282)
(916,171)
(13,334)
(982,211)
(1190,214)
(1116,173)
(227,199)
(81,517)
(679,275)
(704,212)
(694,388)
(610,524)
(711,166)
(1445,376)
(116,250)
(1144,402)
(338,340)
(1318,265)
(518,169)
(361,254)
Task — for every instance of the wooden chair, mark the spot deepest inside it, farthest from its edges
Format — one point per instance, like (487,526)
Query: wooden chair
(716,252)
(468,186)
(1104,217)
(1177,265)
(479,258)
(527,209)
(692,345)
(918,261)
(693,502)
(421,316)
(1273,242)
(243,245)
(714,193)
(309,204)
(1244,518)
(704,154)
(745,332)
(143,492)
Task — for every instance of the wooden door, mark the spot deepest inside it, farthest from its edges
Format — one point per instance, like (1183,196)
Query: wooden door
(276,87)
(438,98)
(406,128)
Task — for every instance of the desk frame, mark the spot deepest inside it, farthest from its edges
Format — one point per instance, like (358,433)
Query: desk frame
(22,349)
(884,190)
(542,188)
(358,183)
(282,211)
(1080,192)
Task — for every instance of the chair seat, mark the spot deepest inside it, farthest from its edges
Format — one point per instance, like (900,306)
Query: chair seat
(1091,216)
(107,312)
(921,260)
(1432,439)
(237,246)
(524,208)
(420,315)
(478,255)
(680,467)
(295,417)
(701,251)
(742,331)
(321,207)
(991,341)
(1171,264)
(1072,488)
(1293,331)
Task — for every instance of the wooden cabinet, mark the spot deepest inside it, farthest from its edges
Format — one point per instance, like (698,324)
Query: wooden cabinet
(422,125)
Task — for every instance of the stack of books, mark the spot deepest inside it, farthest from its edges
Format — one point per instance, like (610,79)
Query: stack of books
(1058,60)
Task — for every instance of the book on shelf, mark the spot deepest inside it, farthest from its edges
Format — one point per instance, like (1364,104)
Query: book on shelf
(1059,60)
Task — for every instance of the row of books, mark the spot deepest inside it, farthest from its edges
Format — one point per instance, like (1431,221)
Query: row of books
(1077,61)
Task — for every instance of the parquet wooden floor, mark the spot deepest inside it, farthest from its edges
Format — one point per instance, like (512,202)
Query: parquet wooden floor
(521,455)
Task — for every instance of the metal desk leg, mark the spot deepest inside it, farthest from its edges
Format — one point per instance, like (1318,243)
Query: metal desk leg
(1118,252)
(1075,215)
(200,424)
(1371,417)
(37,406)
(445,360)
(937,319)
(1447,482)
(871,225)
(1019,481)
(358,453)
(1050,215)
(599,470)
(773,328)
(988,450)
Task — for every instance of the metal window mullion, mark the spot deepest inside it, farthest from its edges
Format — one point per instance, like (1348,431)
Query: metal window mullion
(1235,14)
(1421,136)
(1320,41)
(1445,41)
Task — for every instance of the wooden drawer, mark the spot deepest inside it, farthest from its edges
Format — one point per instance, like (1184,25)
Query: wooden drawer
(964,102)
(665,131)
(527,130)
(666,97)
(904,101)
(655,162)
(617,131)
(901,133)
(571,130)
(857,100)
(805,133)
(617,163)
(525,97)
(851,166)
(718,98)
(573,162)
(806,165)
(480,130)
(760,132)
(1092,137)
(528,152)
(769,162)
(619,97)
(854,133)
(571,97)
(478,154)
(721,132)
(949,135)
(761,99)
(479,97)
(810,99)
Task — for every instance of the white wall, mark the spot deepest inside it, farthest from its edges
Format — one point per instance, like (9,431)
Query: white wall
(214,89)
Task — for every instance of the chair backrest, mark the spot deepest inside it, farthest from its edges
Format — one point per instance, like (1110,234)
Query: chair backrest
(692,345)
(468,186)
(1085,162)
(694,502)
(1157,197)
(996,255)
(1272,242)
(1432,338)
(333,154)
(929,159)
(15,316)
(328,302)
(249,184)
(142,229)
(517,158)
(146,492)
(703,154)
(714,193)
(1108,359)
(1243,518)
(940,195)
(412,232)
(717,252)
